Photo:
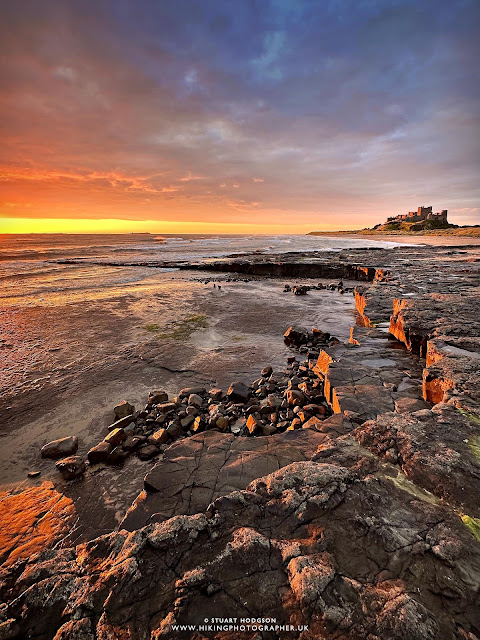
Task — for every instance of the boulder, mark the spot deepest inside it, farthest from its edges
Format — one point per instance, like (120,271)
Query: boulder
(238,392)
(158,397)
(221,422)
(122,423)
(59,448)
(194,400)
(254,425)
(315,409)
(116,437)
(187,421)
(267,372)
(117,455)
(189,390)
(159,437)
(166,407)
(124,409)
(300,291)
(269,429)
(296,336)
(147,452)
(99,453)
(72,467)
(131,443)
(174,431)
(295,397)
(198,425)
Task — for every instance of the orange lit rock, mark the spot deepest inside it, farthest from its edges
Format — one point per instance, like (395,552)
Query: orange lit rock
(32,521)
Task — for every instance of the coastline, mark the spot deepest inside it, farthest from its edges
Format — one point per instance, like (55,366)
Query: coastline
(434,236)
(386,470)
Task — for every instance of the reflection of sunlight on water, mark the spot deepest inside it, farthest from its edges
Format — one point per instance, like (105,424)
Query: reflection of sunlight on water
(90,285)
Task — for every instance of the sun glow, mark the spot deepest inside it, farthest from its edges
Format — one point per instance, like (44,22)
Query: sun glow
(113,225)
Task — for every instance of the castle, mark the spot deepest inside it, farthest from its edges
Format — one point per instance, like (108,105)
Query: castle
(422,214)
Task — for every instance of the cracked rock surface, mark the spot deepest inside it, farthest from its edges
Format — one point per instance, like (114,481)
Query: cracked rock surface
(197,470)
(312,543)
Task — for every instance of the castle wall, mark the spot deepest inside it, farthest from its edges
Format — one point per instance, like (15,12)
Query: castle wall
(422,214)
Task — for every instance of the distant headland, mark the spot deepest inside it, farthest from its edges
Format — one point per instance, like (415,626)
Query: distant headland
(421,222)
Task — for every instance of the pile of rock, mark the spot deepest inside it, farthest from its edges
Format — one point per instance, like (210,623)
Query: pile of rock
(273,403)
(302,290)
(308,342)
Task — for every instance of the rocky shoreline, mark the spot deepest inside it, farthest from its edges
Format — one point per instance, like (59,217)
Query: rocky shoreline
(339,497)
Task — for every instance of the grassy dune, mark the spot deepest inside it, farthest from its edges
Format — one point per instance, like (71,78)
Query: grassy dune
(473,232)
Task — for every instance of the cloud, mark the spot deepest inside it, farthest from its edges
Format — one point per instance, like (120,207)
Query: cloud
(353,108)
(189,177)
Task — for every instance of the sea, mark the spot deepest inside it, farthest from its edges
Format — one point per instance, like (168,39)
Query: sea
(32,272)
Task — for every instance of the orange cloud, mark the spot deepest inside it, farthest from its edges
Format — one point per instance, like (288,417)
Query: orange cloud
(114,179)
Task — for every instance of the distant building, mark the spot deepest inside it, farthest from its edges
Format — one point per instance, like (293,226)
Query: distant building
(422,214)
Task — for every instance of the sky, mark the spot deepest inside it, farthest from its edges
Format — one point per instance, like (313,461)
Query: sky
(236,116)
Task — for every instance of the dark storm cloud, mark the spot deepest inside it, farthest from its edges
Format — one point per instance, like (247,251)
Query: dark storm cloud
(314,107)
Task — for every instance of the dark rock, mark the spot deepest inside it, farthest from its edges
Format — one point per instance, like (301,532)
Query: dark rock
(131,443)
(124,409)
(295,336)
(174,431)
(72,467)
(147,452)
(158,397)
(187,421)
(159,437)
(116,437)
(215,394)
(166,407)
(189,390)
(33,474)
(60,448)
(117,455)
(295,397)
(194,400)
(99,453)
(254,425)
(238,392)
(122,423)
(300,291)
(221,423)
(269,429)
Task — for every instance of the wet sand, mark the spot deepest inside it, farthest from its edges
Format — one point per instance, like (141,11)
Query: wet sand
(436,241)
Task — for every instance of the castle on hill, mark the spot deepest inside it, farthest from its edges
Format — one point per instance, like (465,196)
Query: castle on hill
(422,214)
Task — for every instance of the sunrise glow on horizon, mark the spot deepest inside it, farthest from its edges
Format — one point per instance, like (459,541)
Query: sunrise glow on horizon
(282,117)
(65,225)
